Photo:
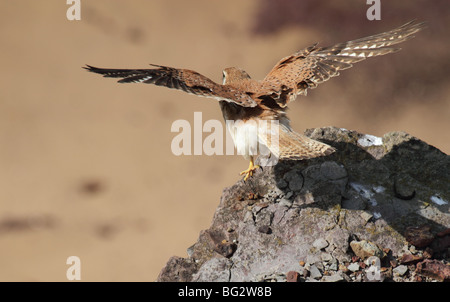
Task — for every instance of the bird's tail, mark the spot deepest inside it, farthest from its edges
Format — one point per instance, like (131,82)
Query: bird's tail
(294,146)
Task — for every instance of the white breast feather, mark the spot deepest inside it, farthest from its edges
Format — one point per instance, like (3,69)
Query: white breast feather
(245,137)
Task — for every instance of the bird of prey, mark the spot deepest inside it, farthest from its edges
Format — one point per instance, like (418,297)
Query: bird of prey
(244,99)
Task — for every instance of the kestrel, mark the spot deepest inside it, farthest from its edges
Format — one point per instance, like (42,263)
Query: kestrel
(244,99)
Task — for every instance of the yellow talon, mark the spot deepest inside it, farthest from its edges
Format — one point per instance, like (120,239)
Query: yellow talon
(249,172)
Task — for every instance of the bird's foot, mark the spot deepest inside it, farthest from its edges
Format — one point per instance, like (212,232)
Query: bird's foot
(249,172)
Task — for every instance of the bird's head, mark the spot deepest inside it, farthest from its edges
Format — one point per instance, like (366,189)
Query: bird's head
(234,74)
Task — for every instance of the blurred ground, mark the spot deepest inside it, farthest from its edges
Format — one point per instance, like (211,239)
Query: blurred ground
(86,167)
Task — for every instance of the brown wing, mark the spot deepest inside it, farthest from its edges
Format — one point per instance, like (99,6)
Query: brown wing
(311,66)
(182,79)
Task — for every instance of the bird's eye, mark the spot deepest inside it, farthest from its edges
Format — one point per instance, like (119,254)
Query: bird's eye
(223,77)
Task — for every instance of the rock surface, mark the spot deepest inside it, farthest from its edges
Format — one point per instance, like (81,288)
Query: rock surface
(351,216)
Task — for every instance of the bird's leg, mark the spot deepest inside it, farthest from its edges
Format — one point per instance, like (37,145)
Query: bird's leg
(251,167)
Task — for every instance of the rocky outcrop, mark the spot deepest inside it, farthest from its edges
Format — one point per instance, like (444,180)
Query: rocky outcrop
(377,209)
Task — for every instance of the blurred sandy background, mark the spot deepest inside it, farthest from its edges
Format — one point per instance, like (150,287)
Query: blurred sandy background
(86,167)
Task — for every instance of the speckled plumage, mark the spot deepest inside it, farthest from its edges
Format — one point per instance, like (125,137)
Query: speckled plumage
(244,99)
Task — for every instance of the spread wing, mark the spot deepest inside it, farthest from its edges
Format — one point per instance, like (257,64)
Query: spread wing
(183,79)
(305,69)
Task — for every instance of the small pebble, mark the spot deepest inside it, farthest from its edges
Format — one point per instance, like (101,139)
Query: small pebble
(409,259)
(400,270)
(364,249)
(320,243)
(353,267)
(333,265)
(343,268)
(333,278)
(366,216)
(314,272)
(326,257)
(292,276)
